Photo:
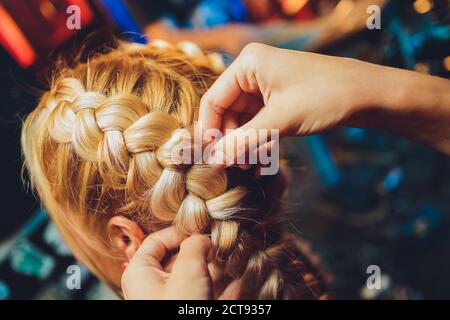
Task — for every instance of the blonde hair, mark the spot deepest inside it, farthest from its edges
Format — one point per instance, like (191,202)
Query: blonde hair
(98,145)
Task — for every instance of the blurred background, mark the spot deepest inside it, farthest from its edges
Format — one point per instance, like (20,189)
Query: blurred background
(359,197)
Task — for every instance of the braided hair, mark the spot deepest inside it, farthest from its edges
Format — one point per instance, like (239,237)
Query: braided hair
(100,142)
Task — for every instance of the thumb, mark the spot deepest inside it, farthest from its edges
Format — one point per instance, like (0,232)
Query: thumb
(190,277)
(191,262)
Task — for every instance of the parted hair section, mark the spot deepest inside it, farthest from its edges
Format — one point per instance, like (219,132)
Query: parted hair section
(100,143)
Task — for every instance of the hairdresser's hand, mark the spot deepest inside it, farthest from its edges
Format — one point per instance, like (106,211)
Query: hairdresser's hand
(294,92)
(188,278)
(301,93)
(145,278)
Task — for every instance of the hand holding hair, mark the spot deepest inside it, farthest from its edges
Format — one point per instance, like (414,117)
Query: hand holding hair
(189,278)
(301,93)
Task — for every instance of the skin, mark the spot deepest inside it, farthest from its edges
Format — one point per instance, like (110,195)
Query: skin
(301,93)
(345,19)
(296,93)
(187,276)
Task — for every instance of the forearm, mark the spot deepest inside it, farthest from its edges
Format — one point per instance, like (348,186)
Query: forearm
(302,34)
(406,102)
(204,38)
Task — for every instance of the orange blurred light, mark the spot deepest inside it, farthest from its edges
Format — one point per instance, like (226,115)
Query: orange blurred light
(291,7)
(47,9)
(423,6)
(447,63)
(14,41)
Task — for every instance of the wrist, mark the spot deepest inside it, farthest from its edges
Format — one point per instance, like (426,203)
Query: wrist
(383,94)
(405,102)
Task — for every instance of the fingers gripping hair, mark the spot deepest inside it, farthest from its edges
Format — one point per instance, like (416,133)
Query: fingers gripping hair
(113,126)
(131,144)
(102,140)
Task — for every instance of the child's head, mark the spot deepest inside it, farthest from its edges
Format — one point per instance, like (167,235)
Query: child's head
(98,151)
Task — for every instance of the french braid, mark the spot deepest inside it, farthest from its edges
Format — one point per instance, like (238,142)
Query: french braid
(101,142)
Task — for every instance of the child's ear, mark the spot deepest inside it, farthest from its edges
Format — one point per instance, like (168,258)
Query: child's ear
(126,235)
